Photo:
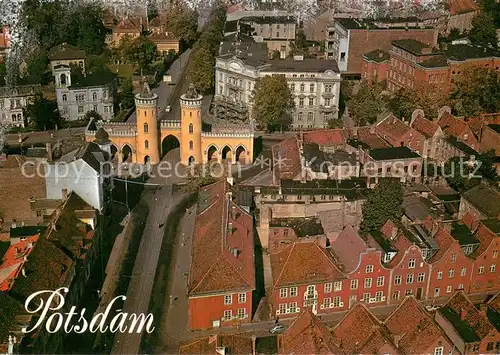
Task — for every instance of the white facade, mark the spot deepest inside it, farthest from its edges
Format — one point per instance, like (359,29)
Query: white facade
(337,45)
(316,93)
(12,102)
(75,101)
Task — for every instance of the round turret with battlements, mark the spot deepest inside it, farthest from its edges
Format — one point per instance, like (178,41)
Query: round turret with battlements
(146,106)
(191,150)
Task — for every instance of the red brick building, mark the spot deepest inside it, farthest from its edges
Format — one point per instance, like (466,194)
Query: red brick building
(400,134)
(458,128)
(305,274)
(374,67)
(472,330)
(222,275)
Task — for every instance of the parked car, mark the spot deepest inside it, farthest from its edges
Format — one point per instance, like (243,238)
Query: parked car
(276,329)
(168,108)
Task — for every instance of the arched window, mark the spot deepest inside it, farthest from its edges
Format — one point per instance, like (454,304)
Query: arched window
(191,145)
(190,128)
(65,97)
(94,96)
(190,114)
(301,116)
(63,79)
(302,87)
(310,115)
(146,128)
(146,144)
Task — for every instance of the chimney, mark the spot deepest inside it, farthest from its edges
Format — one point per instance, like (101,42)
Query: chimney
(235,252)
(380,54)
(233,213)
(463,313)
(229,228)
(48,147)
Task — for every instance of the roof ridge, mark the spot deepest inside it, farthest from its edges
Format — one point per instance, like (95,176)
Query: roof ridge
(329,258)
(284,265)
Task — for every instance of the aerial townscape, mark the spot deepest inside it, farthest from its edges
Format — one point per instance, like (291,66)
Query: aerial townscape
(250,177)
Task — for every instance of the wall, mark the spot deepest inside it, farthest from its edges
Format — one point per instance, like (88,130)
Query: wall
(204,310)
(364,41)
(374,71)
(490,139)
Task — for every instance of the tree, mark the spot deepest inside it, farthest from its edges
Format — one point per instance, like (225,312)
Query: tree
(272,103)
(492,7)
(458,172)
(483,32)
(3,72)
(37,64)
(300,46)
(428,97)
(127,94)
(146,53)
(201,175)
(43,113)
(385,202)
(476,90)
(365,105)
(487,169)
(91,116)
(201,71)
(182,22)
(335,123)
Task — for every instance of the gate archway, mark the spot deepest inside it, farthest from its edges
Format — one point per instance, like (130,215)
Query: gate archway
(168,143)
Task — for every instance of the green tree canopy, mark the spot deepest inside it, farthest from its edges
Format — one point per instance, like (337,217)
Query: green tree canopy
(476,90)
(182,22)
(367,103)
(3,72)
(201,71)
(43,114)
(127,94)
(385,202)
(427,97)
(146,53)
(37,65)
(301,45)
(272,103)
(492,7)
(483,32)
(458,172)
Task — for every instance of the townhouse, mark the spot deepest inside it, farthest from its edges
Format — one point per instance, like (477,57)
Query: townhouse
(398,133)
(222,271)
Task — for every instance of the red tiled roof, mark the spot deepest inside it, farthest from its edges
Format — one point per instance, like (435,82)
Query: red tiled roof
(214,267)
(327,136)
(348,247)
(451,125)
(414,326)
(287,159)
(307,335)
(470,221)
(424,126)
(389,229)
(476,124)
(392,128)
(378,341)
(444,241)
(303,262)
(127,25)
(372,140)
(461,304)
(402,244)
(13,261)
(494,302)
(355,329)
(234,344)
(461,6)
(486,237)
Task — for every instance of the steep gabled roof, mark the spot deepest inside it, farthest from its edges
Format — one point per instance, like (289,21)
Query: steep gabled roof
(462,6)
(444,241)
(355,330)
(13,261)
(485,198)
(326,136)
(66,51)
(485,237)
(287,159)
(303,263)
(393,129)
(425,126)
(127,25)
(469,322)
(308,335)
(453,126)
(413,326)
(348,248)
(222,251)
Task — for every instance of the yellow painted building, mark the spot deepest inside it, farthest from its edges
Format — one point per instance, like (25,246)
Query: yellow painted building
(149,139)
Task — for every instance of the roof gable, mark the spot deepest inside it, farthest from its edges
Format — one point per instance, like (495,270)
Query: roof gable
(348,247)
(425,126)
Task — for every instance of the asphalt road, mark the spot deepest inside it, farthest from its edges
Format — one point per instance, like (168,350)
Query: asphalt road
(143,275)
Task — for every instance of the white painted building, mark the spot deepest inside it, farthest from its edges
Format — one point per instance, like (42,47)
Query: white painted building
(82,171)
(12,102)
(314,83)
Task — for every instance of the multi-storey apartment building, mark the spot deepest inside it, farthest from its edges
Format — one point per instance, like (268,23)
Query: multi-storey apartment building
(12,102)
(314,83)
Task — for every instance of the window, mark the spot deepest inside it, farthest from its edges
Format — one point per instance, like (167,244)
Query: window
(228,299)
(63,79)
(463,272)
(453,258)
(95,108)
(292,307)
(342,56)
(190,128)
(283,292)
(380,281)
(460,286)
(354,284)
(369,269)
(293,291)
(328,102)
(408,292)
(311,88)
(228,314)
(421,277)
(302,87)
(495,254)
(94,96)
(475,348)
(311,101)
(480,270)
(65,97)
(191,145)
(146,144)
(336,301)
(368,282)
(80,109)
(395,295)
(411,264)
(328,287)
(146,128)
(326,302)
(440,275)
(397,280)
(301,116)
(310,116)
(409,278)
(451,273)
(493,267)
(301,101)
(282,308)
(337,286)
(242,297)
(379,295)
(292,87)
(438,350)
(242,313)
(489,347)
(328,87)
(436,292)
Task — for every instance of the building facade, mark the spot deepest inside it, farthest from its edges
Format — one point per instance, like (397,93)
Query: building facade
(12,103)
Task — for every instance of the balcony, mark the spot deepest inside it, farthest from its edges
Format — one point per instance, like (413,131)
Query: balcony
(327,108)
(327,94)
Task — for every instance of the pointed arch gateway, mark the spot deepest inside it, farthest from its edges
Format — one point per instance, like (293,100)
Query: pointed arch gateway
(126,153)
(240,154)
(212,153)
(226,152)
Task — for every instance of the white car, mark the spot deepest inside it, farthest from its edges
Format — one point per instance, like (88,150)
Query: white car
(168,108)
(278,328)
